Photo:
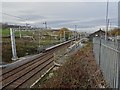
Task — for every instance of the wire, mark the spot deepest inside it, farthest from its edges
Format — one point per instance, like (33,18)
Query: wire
(14,16)
(23,19)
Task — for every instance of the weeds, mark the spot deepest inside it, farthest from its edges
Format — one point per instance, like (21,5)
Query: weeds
(77,72)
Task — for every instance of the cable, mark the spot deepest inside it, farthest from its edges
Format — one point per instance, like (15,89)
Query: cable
(14,16)
(23,19)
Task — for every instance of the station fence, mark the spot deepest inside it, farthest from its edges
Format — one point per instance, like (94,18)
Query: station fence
(107,55)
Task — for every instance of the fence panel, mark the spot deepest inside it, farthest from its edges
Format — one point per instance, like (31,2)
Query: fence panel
(107,55)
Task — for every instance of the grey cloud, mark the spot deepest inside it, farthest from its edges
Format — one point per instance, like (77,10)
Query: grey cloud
(33,17)
(85,15)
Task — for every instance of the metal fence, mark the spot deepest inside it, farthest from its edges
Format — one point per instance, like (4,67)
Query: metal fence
(107,55)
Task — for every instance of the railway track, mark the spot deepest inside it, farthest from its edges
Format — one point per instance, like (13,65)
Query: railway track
(23,75)
(14,80)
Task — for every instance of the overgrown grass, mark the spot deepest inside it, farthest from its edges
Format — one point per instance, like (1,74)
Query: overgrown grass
(24,33)
(5,32)
(78,72)
(24,46)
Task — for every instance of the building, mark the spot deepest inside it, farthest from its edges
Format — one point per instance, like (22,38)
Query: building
(97,34)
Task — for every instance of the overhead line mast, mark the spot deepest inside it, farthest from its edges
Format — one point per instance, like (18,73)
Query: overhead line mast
(107,20)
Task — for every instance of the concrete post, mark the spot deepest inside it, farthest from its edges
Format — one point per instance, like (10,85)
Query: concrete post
(60,38)
(64,36)
(14,57)
(39,39)
(20,32)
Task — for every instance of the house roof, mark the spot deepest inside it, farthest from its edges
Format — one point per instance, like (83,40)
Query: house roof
(98,32)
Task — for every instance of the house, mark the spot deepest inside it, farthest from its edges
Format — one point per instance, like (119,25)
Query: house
(97,34)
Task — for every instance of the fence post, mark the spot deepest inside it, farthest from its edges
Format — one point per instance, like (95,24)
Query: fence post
(100,51)
(14,57)
(119,65)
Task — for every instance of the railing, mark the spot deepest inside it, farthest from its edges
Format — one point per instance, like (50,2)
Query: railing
(107,55)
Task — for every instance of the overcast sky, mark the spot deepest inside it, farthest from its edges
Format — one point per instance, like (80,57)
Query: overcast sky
(88,16)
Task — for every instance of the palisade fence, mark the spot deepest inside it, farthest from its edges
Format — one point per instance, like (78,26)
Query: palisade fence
(107,55)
